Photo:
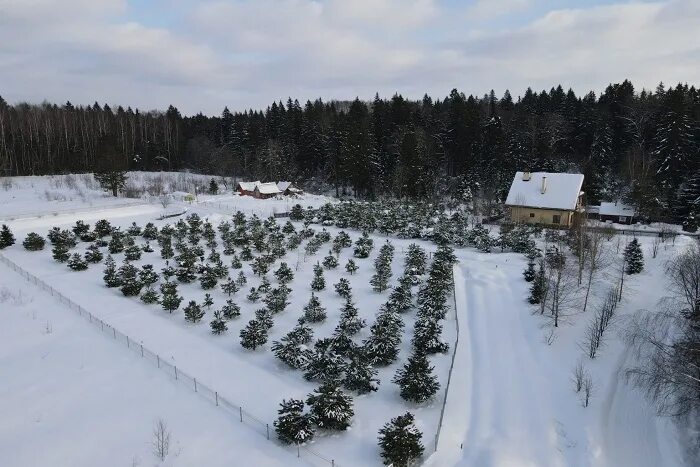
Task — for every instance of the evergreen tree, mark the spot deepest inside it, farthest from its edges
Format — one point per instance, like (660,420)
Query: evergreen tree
(265,285)
(116,243)
(132,253)
(150,296)
(147,248)
(529,274)
(342,288)
(170,300)
(77,263)
(236,262)
(313,311)
(33,242)
(538,287)
(166,249)
(292,350)
(193,312)
(150,231)
(253,295)
(634,258)
(330,261)
(351,267)
(331,409)
(241,279)
(60,252)
(350,322)
(382,346)
(293,426)
(318,283)
(325,363)
(426,336)
(415,261)
(284,274)
(254,335)
(130,284)
(103,228)
(110,276)
(360,375)
(208,279)
(213,187)
(276,300)
(400,441)
(208,301)
(147,275)
(134,230)
(401,298)
(230,287)
(230,310)
(416,379)
(93,254)
(380,279)
(363,246)
(218,324)
(264,317)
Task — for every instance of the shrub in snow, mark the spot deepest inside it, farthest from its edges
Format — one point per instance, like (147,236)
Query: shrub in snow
(150,296)
(147,248)
(293,426)
(147,275)
(218,324)
(284,274)
(330,261)
(318,283)
(331,408)
(313,311)
(342,288)
(400,441)
(170,300)
(193,312)
(351,266)
(324,364)
(253,295)
(360,374)
(416,379)
(134,230)
(363,246)
(77,263)
(130,284)
(103,228)
(93,254)
(230,310)
(634,258)
(150,232)
(80,228)
(33,242)
(110,276)
(350,323)
(254,335)
(59,252)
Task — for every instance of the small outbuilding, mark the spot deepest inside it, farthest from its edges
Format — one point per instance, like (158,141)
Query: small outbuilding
(247,188)
(288,188)
(616,212)
(266,190)
(545,198)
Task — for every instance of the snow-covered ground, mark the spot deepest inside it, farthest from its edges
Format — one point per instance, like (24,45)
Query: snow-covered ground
(69,396)
(511,400)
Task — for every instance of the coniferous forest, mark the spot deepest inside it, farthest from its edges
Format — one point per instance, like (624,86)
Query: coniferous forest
(636,145)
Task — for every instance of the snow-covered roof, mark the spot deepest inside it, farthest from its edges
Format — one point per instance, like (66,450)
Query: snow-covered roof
(248,186)
(269,188)
(615,209)
(561,191)
(282,186)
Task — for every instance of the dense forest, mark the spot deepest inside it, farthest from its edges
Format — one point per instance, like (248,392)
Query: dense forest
(643,147)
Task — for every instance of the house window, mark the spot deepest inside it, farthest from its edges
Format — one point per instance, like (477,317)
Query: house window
(556,219)
(622,219)
(532,214)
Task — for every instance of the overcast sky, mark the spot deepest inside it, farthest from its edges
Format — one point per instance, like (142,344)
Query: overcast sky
(202,55)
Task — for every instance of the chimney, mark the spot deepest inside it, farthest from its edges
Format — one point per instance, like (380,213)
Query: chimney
(526,176)
(543,189)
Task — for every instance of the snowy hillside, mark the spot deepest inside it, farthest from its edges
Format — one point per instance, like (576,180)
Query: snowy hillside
(511,399)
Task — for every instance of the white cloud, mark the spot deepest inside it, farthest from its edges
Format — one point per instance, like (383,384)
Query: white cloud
(486,9)
(249,52)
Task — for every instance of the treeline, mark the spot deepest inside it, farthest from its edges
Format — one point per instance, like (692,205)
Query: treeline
(639,146)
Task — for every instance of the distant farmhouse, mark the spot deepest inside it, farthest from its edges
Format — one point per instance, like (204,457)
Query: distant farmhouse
(545,198)
(261,190)
(618,213)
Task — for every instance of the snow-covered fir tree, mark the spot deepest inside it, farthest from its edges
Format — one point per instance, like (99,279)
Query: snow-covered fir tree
(324,364)
(130,284)
(147,275)
(110,276)
(293,426)
(426,336)
(276,299)
(253,295)
(313,311)
(400,441)
(284,274)
(93,254)
(292,349)
(360,374)
(530,273)
(77,263)
(254,335)
(350,322)
(331,408)
(538,287)
(208,301)
(150,296)
(634,258)
(382,346)
(33,242)
(218,324)
(60,252)
(208,278)
(230,310)
(351,266)
(330,261)
(150,231)
(416,379)
(342,288)
(318,283)
(193,312)
(170,300)
(415,260)
(230,287)
(265,285)
(264,317)
(363,246)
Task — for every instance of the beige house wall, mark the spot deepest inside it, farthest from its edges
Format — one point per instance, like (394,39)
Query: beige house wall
(541,216)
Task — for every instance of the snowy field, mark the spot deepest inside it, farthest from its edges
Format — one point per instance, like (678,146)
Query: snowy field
(511,399)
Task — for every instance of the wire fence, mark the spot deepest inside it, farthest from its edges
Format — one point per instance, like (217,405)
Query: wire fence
(235,410)
(452,363)
(226,208)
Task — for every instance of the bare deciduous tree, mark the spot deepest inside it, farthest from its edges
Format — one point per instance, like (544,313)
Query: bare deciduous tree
(579,375)
(587,390)
(597,259)
(161,440)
